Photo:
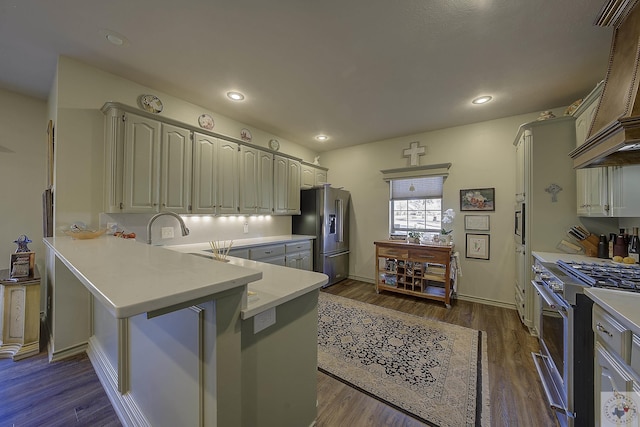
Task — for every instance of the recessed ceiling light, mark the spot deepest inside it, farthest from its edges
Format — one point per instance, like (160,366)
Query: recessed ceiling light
(236,96)
(114,38)
(482,99)
(322,137)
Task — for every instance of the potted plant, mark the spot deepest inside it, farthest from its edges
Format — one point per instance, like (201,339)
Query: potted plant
(414,236)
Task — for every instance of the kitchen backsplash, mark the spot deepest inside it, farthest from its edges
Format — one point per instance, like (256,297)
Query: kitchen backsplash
(202,228)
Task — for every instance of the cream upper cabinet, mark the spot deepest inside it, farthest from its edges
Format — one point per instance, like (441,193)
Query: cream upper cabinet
(308,176)
(592,185)
(286,185)
(141,174)
(215,175)
(624,191)
(148,165)
(175,171)
(312,176)
(256,181)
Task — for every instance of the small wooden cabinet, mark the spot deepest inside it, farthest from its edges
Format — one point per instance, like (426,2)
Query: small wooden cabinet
(19,316)
(414,269)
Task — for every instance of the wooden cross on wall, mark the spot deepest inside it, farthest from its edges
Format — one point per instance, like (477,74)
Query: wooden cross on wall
(413,152)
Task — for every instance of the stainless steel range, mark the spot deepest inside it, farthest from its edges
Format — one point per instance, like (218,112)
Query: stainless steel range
(565,360)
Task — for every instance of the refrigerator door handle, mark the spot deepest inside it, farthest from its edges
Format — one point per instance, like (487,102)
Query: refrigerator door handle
(337,255)
(340,218)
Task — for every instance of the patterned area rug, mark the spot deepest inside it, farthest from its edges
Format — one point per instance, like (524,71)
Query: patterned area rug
(434,371)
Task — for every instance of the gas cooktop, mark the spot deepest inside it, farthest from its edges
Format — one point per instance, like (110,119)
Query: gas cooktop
(621,277)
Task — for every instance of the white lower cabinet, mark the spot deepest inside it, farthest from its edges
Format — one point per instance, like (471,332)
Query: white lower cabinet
(298,255)
(295,255)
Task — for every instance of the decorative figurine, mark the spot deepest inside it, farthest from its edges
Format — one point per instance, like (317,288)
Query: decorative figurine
(22,242)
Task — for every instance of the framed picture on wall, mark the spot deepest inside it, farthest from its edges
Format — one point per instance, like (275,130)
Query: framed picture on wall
(476,222)
(477,246)
(478,199)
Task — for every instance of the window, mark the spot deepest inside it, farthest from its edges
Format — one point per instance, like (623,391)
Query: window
(416,204)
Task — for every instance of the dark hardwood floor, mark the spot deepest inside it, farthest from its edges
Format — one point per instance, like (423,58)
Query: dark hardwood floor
(34,392)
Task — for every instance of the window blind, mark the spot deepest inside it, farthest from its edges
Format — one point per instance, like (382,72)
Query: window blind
(417,188)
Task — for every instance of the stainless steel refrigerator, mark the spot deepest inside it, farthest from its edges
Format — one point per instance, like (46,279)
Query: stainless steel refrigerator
(325,214)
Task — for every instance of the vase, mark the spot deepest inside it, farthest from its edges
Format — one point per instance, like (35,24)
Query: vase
(445,239)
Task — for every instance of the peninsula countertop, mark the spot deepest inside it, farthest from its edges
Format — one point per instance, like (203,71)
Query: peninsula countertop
(131,278)
(242,243)
(278,284)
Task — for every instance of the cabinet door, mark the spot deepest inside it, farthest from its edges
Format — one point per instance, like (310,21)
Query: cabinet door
(597,191)
(204,174)
(582,189)
(280,184)
(249,179)
(265,182)
(293,202)
(227,175)
(141,165)
(308,178)
(175,186)
(624,187)
(321,177)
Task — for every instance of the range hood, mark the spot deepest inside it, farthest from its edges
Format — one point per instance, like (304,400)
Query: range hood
(614,136)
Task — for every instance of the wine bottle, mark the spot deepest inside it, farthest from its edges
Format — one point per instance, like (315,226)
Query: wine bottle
(634,245)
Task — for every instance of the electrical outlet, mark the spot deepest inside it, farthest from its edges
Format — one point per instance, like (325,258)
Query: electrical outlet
(167,232)
(246,227)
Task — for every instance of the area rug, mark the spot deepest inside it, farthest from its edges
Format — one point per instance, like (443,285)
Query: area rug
(433,371)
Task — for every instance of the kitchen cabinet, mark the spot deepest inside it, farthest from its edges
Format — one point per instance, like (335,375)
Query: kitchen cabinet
(624,191)
(312,176)
(19,316)
(413,269)
(286,185)
(544,201)
(592,186)
(256,181)
(298,255)
(148,165)
(617,363)
(215,175)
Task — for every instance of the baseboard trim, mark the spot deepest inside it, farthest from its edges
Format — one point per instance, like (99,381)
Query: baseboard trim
(67,352)
(124,405)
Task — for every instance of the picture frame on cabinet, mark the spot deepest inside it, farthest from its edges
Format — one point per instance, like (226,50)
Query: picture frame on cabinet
(477,246)
(478,199)
(476,222)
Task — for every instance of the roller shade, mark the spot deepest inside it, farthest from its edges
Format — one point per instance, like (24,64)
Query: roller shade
(417,188)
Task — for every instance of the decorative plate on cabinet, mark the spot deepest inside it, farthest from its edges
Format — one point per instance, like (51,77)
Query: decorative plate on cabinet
(245,135)
(206,121)
(274,144)
(151,103)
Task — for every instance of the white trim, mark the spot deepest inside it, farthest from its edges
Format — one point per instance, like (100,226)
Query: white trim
(124,405)
(67,352)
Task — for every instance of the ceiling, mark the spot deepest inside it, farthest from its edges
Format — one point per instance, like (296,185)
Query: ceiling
(358,70)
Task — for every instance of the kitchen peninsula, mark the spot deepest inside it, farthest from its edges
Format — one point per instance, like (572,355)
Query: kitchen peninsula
(176,340)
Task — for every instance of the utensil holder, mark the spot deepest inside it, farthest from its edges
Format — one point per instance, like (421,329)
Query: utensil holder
(590,245)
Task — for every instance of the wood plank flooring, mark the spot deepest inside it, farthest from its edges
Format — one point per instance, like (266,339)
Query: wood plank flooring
(34,392)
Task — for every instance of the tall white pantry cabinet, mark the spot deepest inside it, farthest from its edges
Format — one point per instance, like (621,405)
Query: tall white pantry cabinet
(545,196)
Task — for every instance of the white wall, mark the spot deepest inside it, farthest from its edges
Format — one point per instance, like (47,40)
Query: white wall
(482,155)
(23,173)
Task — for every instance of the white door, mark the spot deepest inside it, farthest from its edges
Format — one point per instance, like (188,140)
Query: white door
(228,179)
(249,170)
(280,184)
(265,182)
(204,174)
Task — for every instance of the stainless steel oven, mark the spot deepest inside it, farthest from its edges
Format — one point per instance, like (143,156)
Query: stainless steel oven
(565,360)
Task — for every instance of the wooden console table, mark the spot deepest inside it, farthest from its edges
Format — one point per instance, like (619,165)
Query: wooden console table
(19,316)
(414,269)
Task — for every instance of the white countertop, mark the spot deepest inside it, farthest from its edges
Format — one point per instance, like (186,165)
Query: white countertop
(278,284)
(242,243)
(624,305)
(131,278)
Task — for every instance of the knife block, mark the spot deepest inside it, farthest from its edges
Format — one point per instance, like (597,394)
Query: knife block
(590,245)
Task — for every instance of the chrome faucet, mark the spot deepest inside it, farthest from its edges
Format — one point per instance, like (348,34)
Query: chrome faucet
(185,230)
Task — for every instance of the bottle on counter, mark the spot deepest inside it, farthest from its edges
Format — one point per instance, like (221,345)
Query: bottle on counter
(620,246)
(612,240)
(603,247)
(634,245)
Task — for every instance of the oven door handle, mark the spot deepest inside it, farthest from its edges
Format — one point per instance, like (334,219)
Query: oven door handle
(549,299)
